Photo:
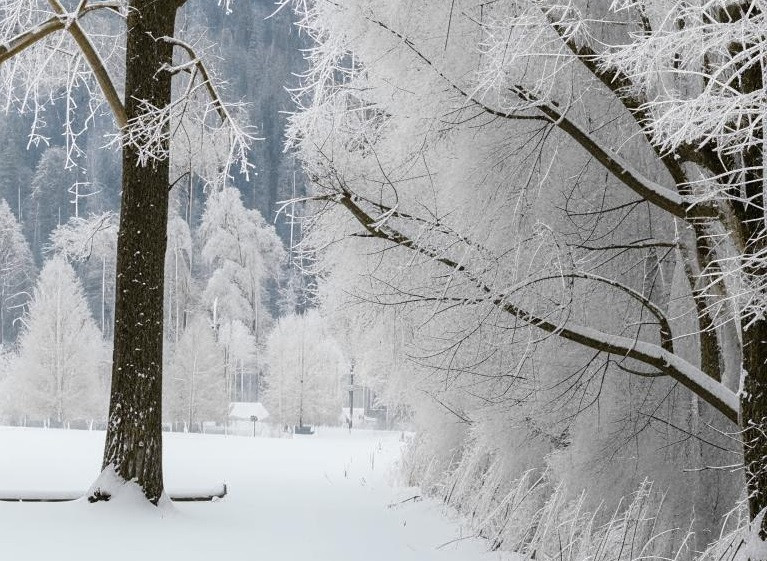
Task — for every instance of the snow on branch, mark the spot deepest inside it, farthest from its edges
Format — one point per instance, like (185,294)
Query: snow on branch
(152,130)
(18,43)
(36,67)
(663,321)
(196,61)
(97,65)
(239,138)
(650,354)
(664,197)
(692,71)
(659,195)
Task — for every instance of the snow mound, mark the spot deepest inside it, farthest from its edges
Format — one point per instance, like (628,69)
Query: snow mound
(111,489)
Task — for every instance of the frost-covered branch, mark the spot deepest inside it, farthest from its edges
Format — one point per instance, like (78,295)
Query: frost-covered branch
(69,21)
(196,61)
(663,321)
(240,139)
(659,195)
(91,55)
(663,197)
(650,354)
(17,43)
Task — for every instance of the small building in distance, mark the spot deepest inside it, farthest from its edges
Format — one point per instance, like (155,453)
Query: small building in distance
(242,414)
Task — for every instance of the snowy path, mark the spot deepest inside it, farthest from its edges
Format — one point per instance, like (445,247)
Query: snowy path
(324,497)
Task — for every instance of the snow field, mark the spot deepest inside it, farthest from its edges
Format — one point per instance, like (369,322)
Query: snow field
(331,496)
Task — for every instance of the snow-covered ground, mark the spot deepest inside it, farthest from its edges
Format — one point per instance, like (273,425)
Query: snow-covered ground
(330,496)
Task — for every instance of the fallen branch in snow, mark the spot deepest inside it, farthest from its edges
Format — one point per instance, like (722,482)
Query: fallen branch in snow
(414,498)
(68,496)
(199,497)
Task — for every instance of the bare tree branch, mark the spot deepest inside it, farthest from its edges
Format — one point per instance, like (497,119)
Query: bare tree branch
(65,20)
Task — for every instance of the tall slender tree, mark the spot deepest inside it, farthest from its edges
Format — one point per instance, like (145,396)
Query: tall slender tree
(60,350)
(16,272)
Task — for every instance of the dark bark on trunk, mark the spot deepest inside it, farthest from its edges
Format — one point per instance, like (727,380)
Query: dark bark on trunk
(754,413)
(753,402)
(751,212)
(134,432)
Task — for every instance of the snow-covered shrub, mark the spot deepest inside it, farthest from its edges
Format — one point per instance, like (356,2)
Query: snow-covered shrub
(536,516)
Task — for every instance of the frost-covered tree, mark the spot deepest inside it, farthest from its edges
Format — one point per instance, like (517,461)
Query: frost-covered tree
(92,243)
(58,373)
(304,371)
(17,172)
(178,276)
(564,202)
(59,48)
(11,406)
(196,385)
(239,347)
(16,273)
(242,253)
(292,292)
(48,203)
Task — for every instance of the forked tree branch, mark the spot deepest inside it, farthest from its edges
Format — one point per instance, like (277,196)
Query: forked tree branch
(218,102)
(94,60)
(29,38)
(665,328)
(655,193)
(620,85)
(66,20)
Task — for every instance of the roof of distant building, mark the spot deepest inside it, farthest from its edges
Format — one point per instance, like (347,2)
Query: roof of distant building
(243,411)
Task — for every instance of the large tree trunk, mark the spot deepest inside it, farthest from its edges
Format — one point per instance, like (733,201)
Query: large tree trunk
(754,414)
(750,211)
(134,432)
(753,401)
